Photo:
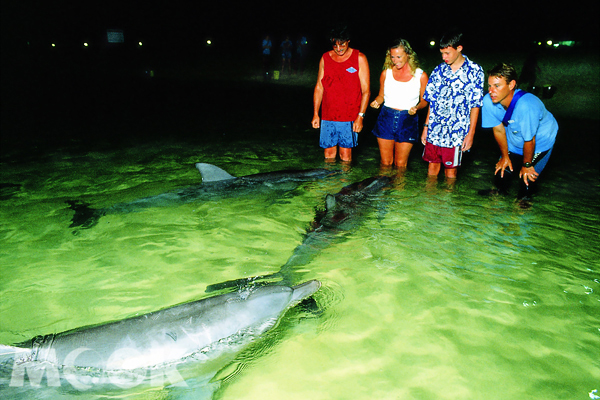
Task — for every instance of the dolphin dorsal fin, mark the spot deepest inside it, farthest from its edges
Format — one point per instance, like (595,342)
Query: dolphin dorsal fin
(212,173)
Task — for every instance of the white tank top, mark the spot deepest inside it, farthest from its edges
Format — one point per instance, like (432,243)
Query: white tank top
(402,95)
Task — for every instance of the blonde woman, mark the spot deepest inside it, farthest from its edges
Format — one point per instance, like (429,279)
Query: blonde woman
(401,87)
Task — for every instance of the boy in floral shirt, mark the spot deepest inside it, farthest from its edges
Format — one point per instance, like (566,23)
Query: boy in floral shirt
(455,95)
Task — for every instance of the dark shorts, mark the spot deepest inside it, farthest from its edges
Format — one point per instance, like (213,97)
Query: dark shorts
(540,160)
(335,133)
(397,125)
(538,163)
(450,157)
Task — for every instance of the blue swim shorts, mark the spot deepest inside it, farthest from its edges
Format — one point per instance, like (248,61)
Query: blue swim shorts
(335,133)
(397,125)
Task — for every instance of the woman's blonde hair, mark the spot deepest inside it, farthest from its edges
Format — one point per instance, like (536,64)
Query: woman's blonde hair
(413,62)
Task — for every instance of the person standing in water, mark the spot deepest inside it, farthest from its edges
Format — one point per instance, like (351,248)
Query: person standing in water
(342,94)
(454,93)
(401,88)
(524,129)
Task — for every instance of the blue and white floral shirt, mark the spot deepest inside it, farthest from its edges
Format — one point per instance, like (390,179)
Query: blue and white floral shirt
(451,95)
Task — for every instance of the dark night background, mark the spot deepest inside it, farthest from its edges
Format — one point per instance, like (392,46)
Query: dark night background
(100,94)
(240,23)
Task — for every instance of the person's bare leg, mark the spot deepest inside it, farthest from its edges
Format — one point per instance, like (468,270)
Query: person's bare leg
(386,151)
(402,151)
(451,173)
(434,169)
(431,182)
(346,154)
(331,152)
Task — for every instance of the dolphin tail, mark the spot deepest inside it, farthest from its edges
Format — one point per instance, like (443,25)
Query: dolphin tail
(85,216)
(303,290)
(212,173)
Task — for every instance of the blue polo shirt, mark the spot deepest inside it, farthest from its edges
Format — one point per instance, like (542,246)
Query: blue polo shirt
(529,119)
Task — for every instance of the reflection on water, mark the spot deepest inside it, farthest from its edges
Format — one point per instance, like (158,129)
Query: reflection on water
(438,293)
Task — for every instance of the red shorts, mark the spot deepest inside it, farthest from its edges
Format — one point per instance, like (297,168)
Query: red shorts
(450,157)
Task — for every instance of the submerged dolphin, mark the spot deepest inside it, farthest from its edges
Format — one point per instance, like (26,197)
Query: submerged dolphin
(215,181)
(167,335)
(343,212)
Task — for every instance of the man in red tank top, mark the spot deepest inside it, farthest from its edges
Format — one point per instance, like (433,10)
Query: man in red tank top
(342,94)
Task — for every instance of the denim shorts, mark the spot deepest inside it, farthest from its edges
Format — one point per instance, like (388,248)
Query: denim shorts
(397,125)
(335,133)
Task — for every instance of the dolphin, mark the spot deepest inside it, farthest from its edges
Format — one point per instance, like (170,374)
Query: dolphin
(165,336)
(343,212)
(215,182)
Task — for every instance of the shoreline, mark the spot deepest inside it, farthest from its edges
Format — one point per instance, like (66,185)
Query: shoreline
(84,105)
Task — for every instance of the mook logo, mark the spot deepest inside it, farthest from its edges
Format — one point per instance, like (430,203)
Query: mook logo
(123,369)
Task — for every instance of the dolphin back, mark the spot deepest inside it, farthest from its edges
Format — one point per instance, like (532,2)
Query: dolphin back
(375,184)
(170,334)
(212,173)
(289,175)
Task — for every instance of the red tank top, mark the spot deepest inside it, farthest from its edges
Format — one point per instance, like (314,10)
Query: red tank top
(341,89)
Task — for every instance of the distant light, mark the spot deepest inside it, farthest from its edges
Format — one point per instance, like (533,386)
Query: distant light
(539,43)
(85,44)
(432,43)
(140,44)
(53,45)
(209,42)
(556,44)
(568,43)
(549,42)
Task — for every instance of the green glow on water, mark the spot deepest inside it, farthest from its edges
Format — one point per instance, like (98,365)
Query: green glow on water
(439,293)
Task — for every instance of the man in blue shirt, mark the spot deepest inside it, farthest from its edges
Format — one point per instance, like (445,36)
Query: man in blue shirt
(525,137)
(454,93)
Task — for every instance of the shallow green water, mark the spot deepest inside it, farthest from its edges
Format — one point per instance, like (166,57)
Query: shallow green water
(437,294)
